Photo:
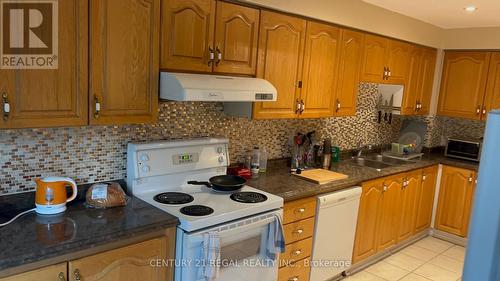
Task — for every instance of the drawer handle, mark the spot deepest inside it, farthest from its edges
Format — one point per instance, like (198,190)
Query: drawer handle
(300,211)
(295,278)
(61,276)
(299,231)
(297,252)
(6,106)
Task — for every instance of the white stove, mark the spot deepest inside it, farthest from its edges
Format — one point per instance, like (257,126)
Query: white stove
(167,166)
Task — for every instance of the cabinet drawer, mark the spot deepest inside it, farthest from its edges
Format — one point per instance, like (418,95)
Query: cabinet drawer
(298,271)
(298,230)
(296,251)
(299,209)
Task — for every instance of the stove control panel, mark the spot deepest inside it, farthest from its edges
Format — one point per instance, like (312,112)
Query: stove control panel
(185,158)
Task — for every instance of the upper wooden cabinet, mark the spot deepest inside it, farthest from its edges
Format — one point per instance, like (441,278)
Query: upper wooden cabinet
(463,84)
(320,70)
(187,34)
(351,51)
(280,57)
(425,199)
(385,60)
(455,200)
(418,90)
(208,35)
(52,97)
(492,96)
(124,61)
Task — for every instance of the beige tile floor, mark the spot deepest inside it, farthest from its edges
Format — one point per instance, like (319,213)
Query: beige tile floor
(429,259)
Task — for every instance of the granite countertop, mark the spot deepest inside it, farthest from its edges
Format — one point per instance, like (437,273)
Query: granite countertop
(278,180)
(33,238)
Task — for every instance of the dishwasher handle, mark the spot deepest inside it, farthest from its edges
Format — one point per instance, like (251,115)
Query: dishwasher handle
(339,197)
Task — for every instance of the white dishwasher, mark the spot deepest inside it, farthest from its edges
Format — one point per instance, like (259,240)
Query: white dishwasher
(335,228)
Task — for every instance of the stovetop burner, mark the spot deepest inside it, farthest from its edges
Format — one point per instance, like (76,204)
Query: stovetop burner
(196,210)
(248,197)
(175,198)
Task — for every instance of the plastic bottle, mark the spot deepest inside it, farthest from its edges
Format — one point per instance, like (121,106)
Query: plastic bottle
(263,160)
(255,162)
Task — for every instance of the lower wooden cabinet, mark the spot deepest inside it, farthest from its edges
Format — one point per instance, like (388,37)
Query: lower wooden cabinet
(53,272)
(425,198)
(128,263)
(392,210)
(298,220)
(134,262)
(455,200)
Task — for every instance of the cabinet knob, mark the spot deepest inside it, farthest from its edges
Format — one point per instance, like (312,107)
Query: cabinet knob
(6,106)
(385,188)
(338,105)
(385,73)
(484,111)
(297,110)
(211,55)
(297,252)
(301,210)
(295,278)
(97,108)
(219,56)
(470,178)
(302,106)
(298,231)
(77,275)
(478,110)
(61,277)
(388,73)
(424,177)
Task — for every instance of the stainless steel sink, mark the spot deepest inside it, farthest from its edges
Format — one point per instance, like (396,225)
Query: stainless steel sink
(378,162)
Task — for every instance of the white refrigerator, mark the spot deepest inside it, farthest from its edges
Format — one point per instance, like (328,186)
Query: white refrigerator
(482,261)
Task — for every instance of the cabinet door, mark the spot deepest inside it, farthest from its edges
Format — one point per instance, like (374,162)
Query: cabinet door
(124,61)
(351,56)
(374,59)
(492,97)
(425,201)
(411,92)
(408,205)
(454,201)
(281,49)
(128,263)
(426,80)
(320,70)
(389,217)
(53,272)
(366,240)
(236,34)
(463,84)
(398,61)
(187,34)
(52,97)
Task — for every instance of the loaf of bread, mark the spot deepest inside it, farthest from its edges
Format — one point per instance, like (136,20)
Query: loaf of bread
(106,195)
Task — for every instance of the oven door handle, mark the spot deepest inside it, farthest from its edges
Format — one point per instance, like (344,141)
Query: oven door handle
(238,227)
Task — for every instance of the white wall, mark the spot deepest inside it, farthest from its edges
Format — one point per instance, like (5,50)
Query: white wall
(472,38)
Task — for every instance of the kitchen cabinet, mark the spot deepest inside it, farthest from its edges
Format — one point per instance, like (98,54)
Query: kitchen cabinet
(187,34)
(53,272)
(455,200)
(492,96)
(280,57)
(385,60)
(351,51)
(389,212)
(52,97)
(463,84)
(425,199)
(209,36)
(319,74)
(366,240)
(298,227)
(128,263)
(124,61)
(418,91)
(411,187)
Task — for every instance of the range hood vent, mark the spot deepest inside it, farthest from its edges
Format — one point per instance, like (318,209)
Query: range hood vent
(391,98)
(202,87)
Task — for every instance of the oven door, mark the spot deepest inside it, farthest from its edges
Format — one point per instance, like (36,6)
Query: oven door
(242,251)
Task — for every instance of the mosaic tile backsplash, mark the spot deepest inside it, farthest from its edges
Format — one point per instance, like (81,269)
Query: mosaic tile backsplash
(91,154)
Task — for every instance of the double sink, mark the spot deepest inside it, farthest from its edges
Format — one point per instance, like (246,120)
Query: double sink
(377,161)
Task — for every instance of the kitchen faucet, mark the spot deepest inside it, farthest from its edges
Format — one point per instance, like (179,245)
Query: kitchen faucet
(360,149)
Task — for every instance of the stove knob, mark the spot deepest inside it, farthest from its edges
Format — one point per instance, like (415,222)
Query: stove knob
(146,168)
(219,149)
(144,157)
(221,159)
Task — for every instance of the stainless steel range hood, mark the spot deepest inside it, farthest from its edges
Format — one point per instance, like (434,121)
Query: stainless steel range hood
(202,87)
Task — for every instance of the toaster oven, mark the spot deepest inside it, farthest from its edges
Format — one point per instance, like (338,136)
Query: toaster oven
(463,149)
